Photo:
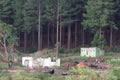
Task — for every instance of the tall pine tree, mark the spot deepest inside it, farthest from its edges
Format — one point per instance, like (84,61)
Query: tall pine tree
(6,11)
(29,18)
(97,16)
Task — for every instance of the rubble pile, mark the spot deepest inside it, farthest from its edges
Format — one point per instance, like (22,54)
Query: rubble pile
(43,62)
(96,64)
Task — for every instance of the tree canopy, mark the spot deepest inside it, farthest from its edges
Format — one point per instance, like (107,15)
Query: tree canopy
(75,23)
(8,37)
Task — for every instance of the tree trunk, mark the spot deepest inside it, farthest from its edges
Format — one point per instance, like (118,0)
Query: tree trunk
(25,41)
(48,37)
(100,32)
(60,32)
(111,34)
(53,38)
(100,29)
(76,32)
(39,27)
(19,41)
(83,36)
(41,39)
(69,35)
(5,47)
(63,37)
(33,38)
(57,28)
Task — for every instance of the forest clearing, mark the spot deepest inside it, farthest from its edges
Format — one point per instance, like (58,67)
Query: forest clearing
(59,39)
(72,67)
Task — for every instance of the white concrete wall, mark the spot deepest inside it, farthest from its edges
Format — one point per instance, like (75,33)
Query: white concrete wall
(91,52)
(44,62)
(27,61)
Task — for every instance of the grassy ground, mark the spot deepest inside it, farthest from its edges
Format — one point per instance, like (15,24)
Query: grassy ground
(87,74)
(29,76)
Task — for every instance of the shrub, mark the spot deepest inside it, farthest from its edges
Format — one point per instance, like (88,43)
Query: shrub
(76,78)
(55,77)
(76,50)
(114,62)
(61,50)
(99,41)
(115,49)
(32,49)
(83,74)
(111,77)
(116,72)
(81,71)
(3,66)
(2,55)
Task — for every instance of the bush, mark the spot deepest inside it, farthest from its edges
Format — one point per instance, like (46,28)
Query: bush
(83,74)
(116,72)
(114,62)
(2,56)
(77,78)
(55,77)
(99,41)
(29,76)
(32,49)
(76,50)
(61,50)
(3,66)
(111,77)
(81,71)
(115,49)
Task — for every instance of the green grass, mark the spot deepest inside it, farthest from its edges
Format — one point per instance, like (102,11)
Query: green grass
(29,76)
(3,66)
(88,73)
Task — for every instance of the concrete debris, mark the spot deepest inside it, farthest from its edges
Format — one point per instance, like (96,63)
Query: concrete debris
(91,52)
(97,64)
(43,62)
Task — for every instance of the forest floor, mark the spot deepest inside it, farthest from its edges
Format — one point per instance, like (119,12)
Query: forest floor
(99,67)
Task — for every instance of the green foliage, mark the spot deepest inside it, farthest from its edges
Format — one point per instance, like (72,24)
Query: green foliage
(4,76)
(49,9)
(114,62)
(77,78)
(29,76)
(115,49)
(56,77)
(80,71)
(98,41)
(6,11)
(116,72)
(30,15)
(76,51)
(89,74)
(1,56)
(17,9)
(3,66)
(117,13)
(69,8)
(97,14)
(32,49)
(61,50)
(98,17)
(111,77)
(84,74)
(8,36)
(23,14)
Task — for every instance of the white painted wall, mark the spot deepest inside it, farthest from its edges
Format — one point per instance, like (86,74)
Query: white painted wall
(44,62)
(91,52)
(27,61)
